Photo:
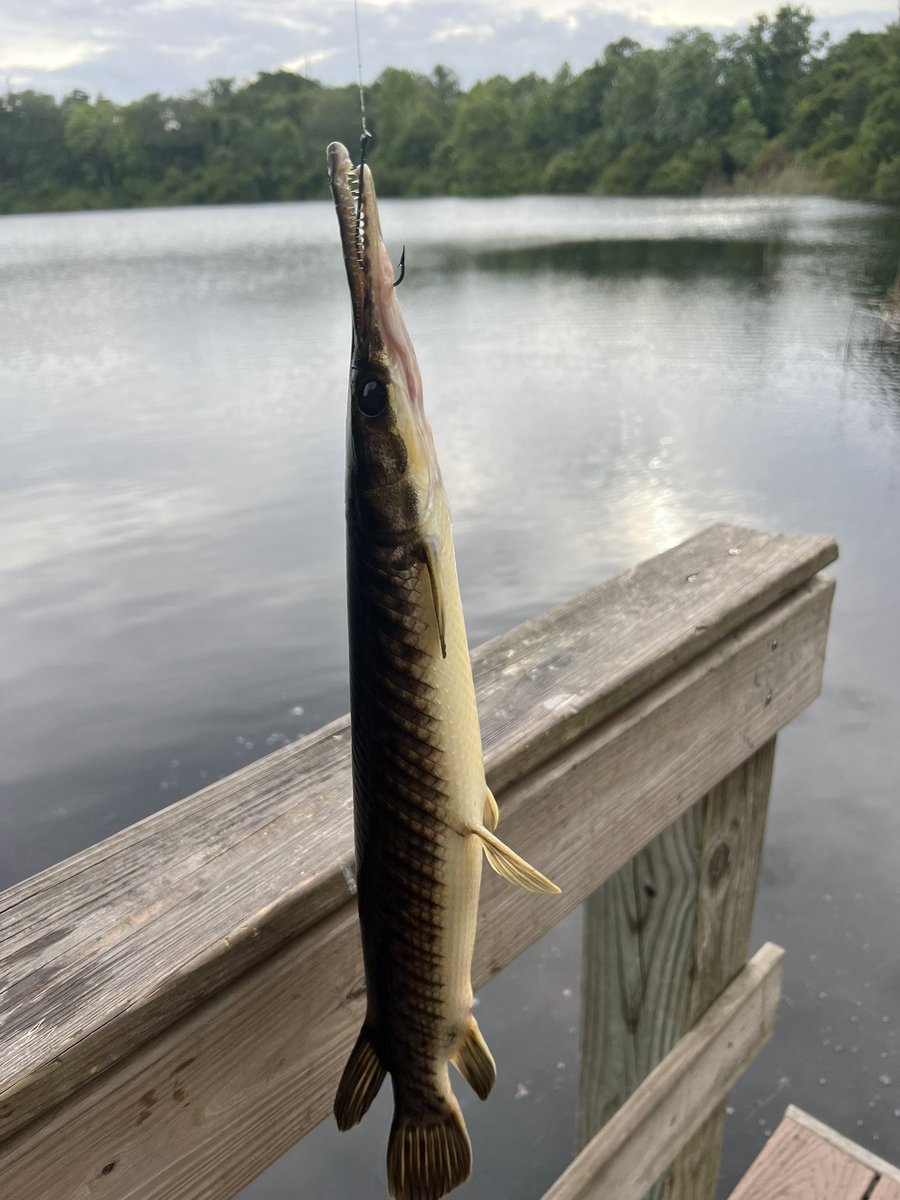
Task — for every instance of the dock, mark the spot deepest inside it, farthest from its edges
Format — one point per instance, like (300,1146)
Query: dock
(806,1158)
(177,1002)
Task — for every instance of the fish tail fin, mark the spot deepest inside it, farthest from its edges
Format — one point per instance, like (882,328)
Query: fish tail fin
(362,1077)
(428,1155)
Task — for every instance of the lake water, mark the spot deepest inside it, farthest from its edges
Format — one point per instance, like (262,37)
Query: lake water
(604,378)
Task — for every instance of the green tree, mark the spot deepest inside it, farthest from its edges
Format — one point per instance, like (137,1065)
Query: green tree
(484,153)
(887,181)
(630,102)
(34,158)
(687,89)
(780,51)
(411,116)
(687,172)
(101,143)
(758,104)
(630,173)
(745,136)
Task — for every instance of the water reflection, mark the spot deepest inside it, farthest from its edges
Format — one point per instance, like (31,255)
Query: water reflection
(604,377)
(682,258)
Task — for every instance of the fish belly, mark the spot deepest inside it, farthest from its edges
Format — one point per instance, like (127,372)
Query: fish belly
(418,788)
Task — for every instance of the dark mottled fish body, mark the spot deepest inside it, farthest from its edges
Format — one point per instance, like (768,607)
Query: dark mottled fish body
(423,814)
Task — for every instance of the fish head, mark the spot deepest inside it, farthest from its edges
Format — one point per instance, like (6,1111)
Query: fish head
(393,476)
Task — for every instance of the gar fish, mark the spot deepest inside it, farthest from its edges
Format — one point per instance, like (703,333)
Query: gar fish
(423,813)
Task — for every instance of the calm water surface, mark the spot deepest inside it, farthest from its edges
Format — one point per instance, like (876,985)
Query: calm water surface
(604,378)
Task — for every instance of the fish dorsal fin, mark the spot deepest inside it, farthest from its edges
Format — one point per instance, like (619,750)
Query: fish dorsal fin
(362,1077)
(491,816)
(508,864)
(428,550)
(475,1062)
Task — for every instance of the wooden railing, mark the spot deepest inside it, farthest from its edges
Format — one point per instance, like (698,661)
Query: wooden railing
(177,1001)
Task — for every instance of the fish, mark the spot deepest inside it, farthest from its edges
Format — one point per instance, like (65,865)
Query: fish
(424,816)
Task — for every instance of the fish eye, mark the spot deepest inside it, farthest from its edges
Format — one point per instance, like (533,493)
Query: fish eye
(371,397)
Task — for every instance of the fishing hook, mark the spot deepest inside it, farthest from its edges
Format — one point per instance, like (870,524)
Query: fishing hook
(401,270)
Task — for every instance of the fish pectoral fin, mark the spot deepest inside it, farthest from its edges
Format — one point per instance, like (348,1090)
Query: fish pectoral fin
(475,1062)
(362,1077)
(428,551)
(491,815)
(508,864)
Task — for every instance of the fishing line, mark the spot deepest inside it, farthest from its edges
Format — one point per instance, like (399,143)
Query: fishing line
(366,136)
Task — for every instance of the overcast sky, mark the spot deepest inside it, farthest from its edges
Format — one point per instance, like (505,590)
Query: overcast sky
(126,48)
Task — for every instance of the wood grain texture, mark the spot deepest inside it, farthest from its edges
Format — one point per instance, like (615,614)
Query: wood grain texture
(879,1166)
(886,1189)
(702,1155)
(104,950)
(589,658)
(733,834)
(255,1067)
(662,940)
(797,1164)
(640,1140)
(636,958)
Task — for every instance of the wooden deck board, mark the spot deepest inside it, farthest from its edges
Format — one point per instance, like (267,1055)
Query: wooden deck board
(104,951)
(797,1165)
(879,1166)
(806,1160)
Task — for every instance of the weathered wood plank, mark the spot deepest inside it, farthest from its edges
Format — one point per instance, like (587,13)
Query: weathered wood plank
(886,1189)
(101,952)
(636,957)
(797,1163)
(588,659)
(265,1053)
(733,834)
(202,1109)
(641,1139)
(662,940)
(879,1166)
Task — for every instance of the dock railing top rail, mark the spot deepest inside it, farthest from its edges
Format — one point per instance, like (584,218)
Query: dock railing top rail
(176,1001)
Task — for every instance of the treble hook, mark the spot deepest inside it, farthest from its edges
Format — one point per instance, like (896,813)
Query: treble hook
(401,270)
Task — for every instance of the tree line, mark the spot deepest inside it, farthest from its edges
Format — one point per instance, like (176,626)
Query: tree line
(773,106)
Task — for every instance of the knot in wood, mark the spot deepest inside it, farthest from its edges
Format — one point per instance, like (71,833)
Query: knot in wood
(718,863)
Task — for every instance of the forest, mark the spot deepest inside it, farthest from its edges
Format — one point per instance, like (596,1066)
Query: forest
(772,108)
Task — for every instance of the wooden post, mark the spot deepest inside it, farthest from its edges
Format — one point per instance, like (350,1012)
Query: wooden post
(638,1142)
(663,938)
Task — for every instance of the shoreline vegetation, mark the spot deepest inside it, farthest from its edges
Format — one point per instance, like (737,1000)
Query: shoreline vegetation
(769,109)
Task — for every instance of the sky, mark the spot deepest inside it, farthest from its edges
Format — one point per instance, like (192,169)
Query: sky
(127,48)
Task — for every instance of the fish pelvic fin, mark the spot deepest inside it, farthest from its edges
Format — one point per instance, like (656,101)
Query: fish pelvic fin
(491,815)
(362,1077)
(508,864)
(475,1062)
(428,1155)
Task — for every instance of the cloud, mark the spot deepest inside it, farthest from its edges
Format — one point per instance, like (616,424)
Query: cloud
(462,31)
(48,54)
(125,49)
